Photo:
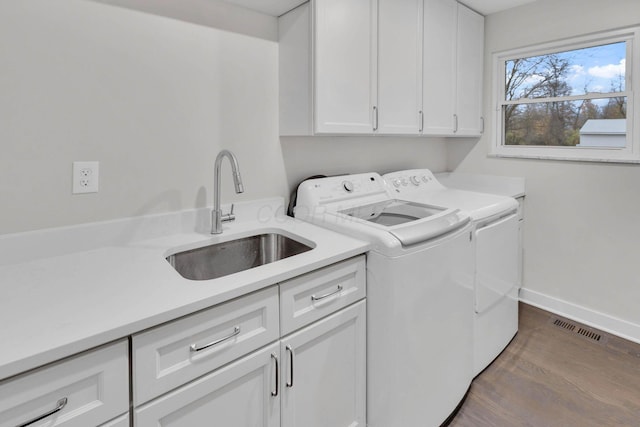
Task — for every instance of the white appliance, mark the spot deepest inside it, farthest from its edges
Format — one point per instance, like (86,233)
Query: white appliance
(497,278)
(419,295)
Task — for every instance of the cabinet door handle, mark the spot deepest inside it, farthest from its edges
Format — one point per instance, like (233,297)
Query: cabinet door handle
(321,297)
(59,405)
(482,129)
(235,332)
(421,121)
(375,118)
(455,123)
(274,393)
(290,380)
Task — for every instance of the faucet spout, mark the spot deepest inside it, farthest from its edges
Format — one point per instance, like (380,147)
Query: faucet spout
(217,218)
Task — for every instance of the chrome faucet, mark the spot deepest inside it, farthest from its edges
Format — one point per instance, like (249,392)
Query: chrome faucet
(217,218)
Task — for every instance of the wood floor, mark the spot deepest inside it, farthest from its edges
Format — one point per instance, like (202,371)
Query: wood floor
(552,375)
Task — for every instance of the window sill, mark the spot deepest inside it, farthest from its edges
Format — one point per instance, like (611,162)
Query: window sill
(572,158)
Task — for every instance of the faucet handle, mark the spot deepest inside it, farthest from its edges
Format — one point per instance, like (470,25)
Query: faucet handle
(230,216)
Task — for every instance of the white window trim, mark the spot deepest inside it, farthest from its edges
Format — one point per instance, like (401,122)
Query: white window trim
(629,154)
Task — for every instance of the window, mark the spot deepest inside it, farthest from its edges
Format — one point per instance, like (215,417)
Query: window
(571,100)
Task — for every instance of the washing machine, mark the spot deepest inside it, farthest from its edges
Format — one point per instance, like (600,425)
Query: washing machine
(419,295)
(497,278)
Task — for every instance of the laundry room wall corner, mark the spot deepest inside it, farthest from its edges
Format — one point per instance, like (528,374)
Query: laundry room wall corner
(581,230)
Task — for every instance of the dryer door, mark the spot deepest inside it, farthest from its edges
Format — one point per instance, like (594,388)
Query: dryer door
(496,262)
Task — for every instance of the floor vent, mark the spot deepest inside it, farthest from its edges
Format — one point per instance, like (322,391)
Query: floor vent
(589,334)
(564,324)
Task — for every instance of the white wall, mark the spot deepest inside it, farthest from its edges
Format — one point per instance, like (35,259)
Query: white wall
(211,13)
(307,156)
(582,231)
(153,99)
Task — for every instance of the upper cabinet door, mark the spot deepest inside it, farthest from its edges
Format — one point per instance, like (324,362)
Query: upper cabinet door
(439,64)
(404,67)
(469,75)
(345,66)
(399,66)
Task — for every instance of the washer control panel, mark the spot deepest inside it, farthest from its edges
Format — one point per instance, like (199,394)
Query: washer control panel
(342,189)
(412,180)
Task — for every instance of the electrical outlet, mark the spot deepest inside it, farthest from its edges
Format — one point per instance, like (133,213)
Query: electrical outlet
(85,177)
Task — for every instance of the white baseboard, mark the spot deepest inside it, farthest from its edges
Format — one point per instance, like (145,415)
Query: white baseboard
(613,325)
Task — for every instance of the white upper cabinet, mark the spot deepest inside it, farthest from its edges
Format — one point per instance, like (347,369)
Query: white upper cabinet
(470,47)
(399,66)
(328,68)
(345,66)
(439,67)
(453,60)
(391,67)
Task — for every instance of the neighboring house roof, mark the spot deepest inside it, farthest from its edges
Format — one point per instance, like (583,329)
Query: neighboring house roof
(604,126)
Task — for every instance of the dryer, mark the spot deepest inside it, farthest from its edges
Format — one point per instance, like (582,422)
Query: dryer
(419,295)
(497,278)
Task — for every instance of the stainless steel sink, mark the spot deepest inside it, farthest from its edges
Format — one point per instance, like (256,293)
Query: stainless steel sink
(222,259)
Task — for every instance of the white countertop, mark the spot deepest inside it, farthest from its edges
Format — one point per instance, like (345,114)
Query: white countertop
(54,306)
(511,186)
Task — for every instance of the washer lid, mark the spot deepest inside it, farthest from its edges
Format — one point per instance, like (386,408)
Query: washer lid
(409,222)
(420,185)
(392,212)
(363,205)
(480,206)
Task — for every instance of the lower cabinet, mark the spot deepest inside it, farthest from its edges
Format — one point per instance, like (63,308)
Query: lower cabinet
(122,421)
(291,355)
(86,390)
(324,369)
(313,378)
(170,355)
(243,394)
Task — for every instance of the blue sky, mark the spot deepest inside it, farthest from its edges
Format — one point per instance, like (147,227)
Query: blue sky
(595,68)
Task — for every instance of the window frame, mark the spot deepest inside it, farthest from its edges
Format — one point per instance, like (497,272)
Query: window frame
(629,154)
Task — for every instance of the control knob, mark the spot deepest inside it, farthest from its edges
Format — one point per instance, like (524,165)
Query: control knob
(348,186)
(414,180)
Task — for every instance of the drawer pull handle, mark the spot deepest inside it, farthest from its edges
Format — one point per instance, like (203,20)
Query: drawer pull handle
(235,332)
(290,381)
(275,359)
(59,405)
(321,297)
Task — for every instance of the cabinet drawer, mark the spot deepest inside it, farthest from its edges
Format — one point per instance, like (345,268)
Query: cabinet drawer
(177,352)
(86,390)
(312,296)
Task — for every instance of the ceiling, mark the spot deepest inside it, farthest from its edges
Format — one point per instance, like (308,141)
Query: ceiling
(270,7)
(278,7)
(487,7)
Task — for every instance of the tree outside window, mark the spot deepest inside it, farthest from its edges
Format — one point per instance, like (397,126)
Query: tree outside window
(549,99)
